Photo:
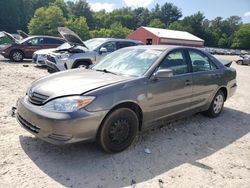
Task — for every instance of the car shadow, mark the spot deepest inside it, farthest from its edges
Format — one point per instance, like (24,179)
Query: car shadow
(183,141)
(12,62)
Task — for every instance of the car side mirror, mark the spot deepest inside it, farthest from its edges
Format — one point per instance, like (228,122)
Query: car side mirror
(29,43)
(103,50)
(163,73)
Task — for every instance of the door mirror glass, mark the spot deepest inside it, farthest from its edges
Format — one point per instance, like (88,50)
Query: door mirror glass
(163,73)
(103,50)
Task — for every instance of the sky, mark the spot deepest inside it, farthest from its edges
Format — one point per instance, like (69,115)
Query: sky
(210,8)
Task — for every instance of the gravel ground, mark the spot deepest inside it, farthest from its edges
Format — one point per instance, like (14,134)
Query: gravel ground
(192,152)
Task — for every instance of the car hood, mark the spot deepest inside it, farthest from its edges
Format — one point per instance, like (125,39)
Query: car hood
(70,36)
(45,51)
(74,82)
(22,34)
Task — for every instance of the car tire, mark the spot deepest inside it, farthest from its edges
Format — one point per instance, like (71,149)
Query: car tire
(81,65)
(240,62)
(216,105)
(118,130)
(16,56)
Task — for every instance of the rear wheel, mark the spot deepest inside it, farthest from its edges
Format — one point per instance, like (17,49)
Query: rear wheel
(217,105)
(16,56)
(118,130)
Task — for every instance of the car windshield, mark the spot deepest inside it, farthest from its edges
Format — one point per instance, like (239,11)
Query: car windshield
(92,44)
(129,62)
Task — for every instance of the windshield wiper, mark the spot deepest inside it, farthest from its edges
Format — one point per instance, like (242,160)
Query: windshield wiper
(105,71)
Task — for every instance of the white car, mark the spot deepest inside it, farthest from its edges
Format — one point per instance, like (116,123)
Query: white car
(83,54)
(40,56)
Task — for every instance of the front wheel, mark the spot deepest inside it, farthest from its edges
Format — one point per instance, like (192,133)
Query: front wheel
(240,62)
(118,130)
(216,106)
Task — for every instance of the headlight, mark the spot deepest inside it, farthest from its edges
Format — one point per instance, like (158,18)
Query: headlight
(68,104)
(63,56)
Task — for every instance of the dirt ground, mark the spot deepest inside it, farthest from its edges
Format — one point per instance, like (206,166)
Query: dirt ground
(192,152)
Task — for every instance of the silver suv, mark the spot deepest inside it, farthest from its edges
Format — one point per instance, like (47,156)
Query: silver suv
(83,54)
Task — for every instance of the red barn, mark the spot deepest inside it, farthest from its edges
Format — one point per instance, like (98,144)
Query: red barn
(156,36)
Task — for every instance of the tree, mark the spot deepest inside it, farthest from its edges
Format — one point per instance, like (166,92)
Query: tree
(79,26)
(116,31)
(169,13)
(101,33)
(156,23)
(46,21)
(242,37)
(63,6)
(141,17)
(119,31)
(81,8)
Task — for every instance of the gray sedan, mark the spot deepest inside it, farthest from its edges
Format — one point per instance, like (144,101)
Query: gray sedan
(129,91)
(243,60)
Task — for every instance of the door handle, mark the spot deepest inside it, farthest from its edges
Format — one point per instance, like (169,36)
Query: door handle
(188,83)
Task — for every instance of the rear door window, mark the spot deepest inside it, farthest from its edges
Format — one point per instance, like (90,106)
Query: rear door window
(200,62)
(124,44)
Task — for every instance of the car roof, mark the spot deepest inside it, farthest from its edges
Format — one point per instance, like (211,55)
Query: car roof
(34,36)
(165,47)
(116,39)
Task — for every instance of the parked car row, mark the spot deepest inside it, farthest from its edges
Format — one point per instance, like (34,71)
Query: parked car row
(220,51)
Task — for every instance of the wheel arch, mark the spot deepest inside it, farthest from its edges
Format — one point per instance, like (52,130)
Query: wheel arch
(130,105)
(225,92)
(87,61)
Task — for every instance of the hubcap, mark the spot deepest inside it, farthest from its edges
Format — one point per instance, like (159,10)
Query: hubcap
(119,131)
(17,56)
(218,104)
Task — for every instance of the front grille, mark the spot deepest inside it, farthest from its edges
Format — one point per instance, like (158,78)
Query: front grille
(28,125)
(36,98)
(51,59)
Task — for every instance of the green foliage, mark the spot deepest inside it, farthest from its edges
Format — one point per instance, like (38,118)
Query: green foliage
(46,21)
(81,8)
(156,23)
(242,37)
(63,6)
(79,26)
(169,13)
(116,31)
(44,16)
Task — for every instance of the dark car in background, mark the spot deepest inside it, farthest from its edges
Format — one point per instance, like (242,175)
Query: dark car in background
(18,50)
(128,91)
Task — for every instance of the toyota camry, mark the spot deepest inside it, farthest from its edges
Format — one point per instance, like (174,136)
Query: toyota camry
(130,90)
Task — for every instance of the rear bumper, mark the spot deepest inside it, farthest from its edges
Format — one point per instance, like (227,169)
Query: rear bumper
(231,88)
(58,128)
